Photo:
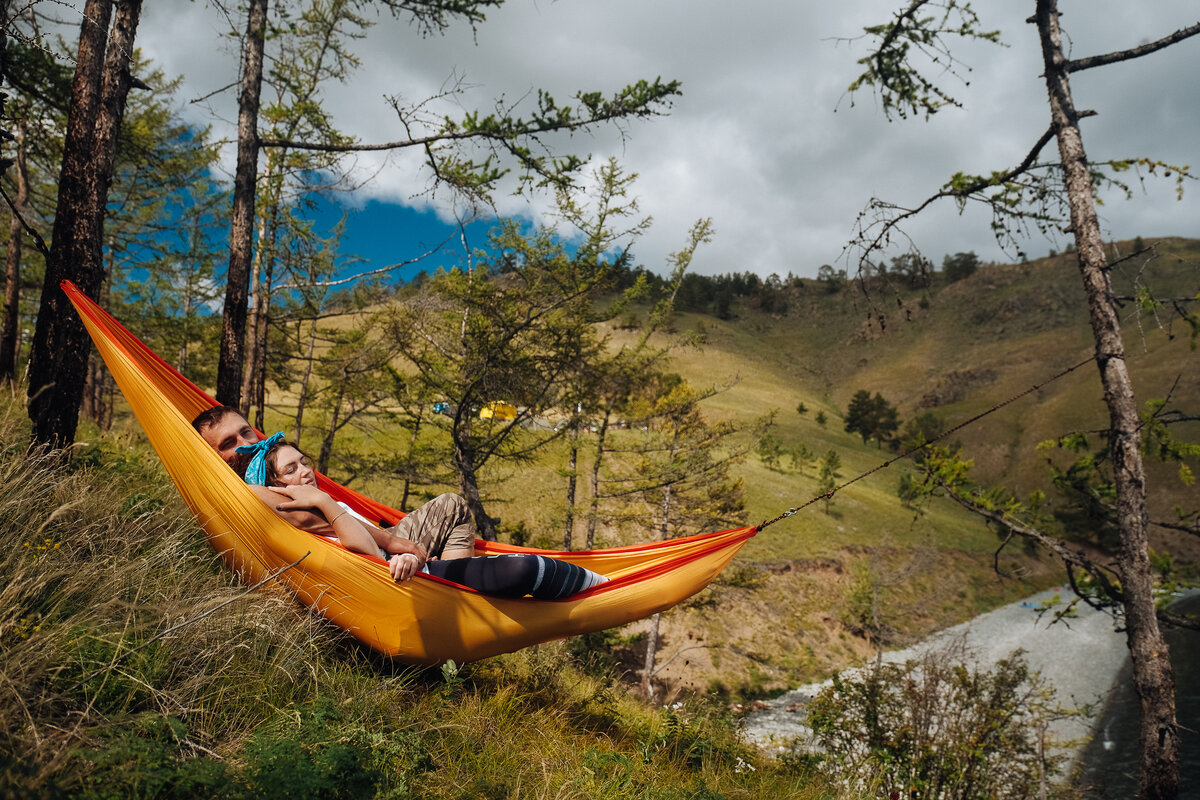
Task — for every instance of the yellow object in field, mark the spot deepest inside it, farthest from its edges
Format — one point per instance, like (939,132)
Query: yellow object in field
(424,621)
(498,411)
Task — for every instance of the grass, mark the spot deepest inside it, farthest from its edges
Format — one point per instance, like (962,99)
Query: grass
(260,699)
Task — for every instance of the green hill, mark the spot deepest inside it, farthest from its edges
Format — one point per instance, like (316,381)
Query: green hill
(785,613)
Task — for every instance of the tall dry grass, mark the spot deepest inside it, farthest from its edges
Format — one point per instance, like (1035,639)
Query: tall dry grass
(106,693)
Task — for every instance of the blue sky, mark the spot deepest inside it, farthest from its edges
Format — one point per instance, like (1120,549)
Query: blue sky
(385,233)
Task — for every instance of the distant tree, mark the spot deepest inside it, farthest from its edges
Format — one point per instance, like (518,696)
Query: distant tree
(830,279)
(770,449)
(914,268)
(821,418)
(828,475)
(871,417)
(919,430)
(801,409)
(960,265)
(801,457)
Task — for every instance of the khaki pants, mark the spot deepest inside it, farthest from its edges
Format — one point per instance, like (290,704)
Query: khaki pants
(444,523)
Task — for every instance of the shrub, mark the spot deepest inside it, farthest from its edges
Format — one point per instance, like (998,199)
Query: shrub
(937,728)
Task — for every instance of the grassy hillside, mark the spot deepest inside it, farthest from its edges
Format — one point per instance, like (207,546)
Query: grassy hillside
(785,612)
(135,666)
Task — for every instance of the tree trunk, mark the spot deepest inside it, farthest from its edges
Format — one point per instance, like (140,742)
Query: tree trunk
(572,465)
(651,654)
(241,229)
(259,283)
(594,502)
(412,448)
(664,528)
(304,381)
(12,272)
(1152,673)
(327,442)
(58,361)
(468,483)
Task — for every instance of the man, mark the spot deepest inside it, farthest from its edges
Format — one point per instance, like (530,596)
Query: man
(440,529)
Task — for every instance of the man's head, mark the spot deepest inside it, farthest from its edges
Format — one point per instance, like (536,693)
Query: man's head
(225,429)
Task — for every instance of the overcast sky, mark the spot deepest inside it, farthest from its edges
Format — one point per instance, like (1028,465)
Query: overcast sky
(763,139)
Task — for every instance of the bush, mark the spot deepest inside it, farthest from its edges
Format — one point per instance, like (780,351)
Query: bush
(937,728)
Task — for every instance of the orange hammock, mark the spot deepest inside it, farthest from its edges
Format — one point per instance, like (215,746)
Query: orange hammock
(424,621)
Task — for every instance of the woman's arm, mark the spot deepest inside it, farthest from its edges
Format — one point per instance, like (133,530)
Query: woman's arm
(312,509)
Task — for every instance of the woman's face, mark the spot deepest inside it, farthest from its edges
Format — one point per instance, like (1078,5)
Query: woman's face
(293,468)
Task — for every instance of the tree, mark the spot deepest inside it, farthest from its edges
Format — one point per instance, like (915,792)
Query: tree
(1048,195)
(445,142)
(960,265)
(871,417)
(827,476)
(514,329)
(99,89)
(683,479)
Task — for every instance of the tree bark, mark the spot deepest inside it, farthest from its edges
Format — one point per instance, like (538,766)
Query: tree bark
(1152,673)
(594,501)
(327,442)
(58,361)
(651,655)
(302,400)
(572,479)
(241,229)
(468,482)
(12,273)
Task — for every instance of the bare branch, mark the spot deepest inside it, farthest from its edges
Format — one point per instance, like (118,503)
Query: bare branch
(1080,64)
(37,237)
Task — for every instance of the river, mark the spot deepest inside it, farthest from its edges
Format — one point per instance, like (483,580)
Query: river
(1082,657)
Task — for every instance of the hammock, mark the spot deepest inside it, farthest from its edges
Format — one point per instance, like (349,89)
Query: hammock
(426,620)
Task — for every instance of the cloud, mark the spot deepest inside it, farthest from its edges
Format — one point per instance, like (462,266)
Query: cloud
(763,139)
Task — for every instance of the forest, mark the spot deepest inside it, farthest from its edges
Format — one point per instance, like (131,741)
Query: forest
(925,438)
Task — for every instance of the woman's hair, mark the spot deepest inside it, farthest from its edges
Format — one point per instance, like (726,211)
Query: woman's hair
(273,454)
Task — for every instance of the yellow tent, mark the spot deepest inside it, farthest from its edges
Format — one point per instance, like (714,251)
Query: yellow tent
(424,621)
(499,411)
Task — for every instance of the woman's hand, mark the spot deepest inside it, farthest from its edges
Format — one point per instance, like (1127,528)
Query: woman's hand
(403,566)
(303,496)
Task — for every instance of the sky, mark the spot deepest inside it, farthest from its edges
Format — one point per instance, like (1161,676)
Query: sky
(764,139)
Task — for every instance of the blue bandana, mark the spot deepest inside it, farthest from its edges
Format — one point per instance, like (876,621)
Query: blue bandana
(256,472)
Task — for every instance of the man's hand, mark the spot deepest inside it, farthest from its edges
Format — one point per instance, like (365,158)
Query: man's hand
(403,566)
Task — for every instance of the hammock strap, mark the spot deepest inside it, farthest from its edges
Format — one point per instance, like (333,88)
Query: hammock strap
(829,495)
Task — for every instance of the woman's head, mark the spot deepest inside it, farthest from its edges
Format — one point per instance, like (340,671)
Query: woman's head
(287,465)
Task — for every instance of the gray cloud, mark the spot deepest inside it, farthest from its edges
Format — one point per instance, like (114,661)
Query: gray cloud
(763,139)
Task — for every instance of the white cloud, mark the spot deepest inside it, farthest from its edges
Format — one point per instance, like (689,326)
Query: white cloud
(763,139)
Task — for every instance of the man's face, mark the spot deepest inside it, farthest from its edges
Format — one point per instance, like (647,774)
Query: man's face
(229,434)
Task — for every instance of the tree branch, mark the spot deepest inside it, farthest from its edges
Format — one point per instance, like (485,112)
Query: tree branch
(1080,64)
(37,237)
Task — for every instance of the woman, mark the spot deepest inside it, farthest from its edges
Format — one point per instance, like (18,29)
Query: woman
(286,471)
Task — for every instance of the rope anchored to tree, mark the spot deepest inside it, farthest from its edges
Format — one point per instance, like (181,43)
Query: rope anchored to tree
(884,465)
